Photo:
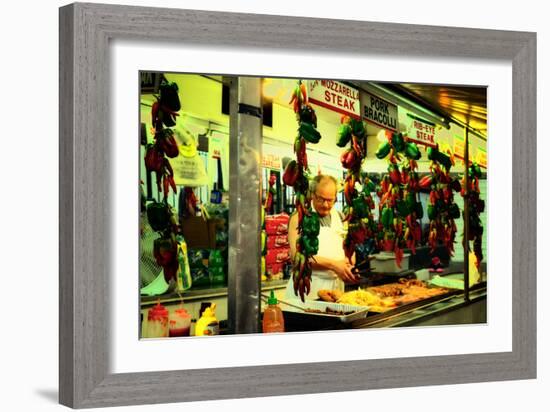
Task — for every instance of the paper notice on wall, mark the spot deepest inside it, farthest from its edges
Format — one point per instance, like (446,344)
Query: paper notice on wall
(481,157)
(459,146)
(271,161)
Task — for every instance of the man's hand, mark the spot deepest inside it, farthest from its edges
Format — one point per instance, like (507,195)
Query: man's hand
(344,271)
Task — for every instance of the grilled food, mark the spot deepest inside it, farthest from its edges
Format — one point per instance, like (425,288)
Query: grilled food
(384,297)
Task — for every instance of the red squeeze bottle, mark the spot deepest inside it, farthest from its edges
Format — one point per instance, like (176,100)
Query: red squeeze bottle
(273,320)
(157,322)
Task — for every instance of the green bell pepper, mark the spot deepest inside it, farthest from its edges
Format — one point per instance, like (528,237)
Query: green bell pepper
(383,150)
(398,142)
(310,245)
(309,132)
(158,215)
(311,225)
(360,207)
(344,135)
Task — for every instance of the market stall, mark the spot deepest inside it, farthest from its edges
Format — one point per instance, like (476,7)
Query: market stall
(406,165)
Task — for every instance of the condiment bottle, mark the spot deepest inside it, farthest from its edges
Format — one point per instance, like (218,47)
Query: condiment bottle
(157,322)
(215,195)
(179,322)
(208,325)
(273,320)
(184,280)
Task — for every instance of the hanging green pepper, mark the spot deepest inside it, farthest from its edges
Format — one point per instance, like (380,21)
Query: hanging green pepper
(411,151)
(344,135)
(402,208)
(360,207)
(432,212)
(435,155)
(310,245)
(383,150)
(398,142)
(169,96)
(419,210)
(307,114)
(357,127)
(369,187)
(387,217)
(311,225)
(309,133)
(411,200)
(454,211)
(158,216)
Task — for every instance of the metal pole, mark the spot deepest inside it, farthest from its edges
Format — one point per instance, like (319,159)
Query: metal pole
(466,219)
(245,191)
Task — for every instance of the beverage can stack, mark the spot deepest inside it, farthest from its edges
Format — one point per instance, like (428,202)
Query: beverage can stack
(277,247)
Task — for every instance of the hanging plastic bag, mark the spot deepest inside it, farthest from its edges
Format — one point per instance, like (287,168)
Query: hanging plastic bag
(188,167)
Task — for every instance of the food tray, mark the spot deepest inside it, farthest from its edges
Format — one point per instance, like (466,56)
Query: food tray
(359,312)
(384,262)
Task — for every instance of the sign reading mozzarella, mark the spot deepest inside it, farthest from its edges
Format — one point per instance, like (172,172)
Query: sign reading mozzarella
(422,133)
(379,111)
(335,96)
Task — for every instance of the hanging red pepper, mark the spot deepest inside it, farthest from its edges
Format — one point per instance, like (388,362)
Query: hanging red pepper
(296,175)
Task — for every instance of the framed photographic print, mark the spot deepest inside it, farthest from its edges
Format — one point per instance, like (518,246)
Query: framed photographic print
(240,192)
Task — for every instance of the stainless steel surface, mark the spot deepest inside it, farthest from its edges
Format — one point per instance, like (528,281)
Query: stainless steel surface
(244,208)
(466,219)
(284,302)
(198,294)
(427,308)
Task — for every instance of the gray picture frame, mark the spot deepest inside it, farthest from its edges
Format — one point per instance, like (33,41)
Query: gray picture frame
(85,32)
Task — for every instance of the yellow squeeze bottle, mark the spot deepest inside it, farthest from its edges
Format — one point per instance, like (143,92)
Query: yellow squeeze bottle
(208,325)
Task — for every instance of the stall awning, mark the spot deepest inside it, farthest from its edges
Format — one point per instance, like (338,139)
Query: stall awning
(465,105)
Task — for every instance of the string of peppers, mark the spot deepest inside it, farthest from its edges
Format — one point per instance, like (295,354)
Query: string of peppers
(296,175)
(399,209)
(477,206)
(161,215)
(442,210)
(357,191)
(163,113)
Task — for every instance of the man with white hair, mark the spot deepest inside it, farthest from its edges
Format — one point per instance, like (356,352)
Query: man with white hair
(331,269)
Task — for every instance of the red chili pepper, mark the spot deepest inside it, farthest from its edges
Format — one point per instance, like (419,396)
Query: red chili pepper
(395,176)
(155,113)
(301,153)
(398,255)
(172,183)
(166,186)
(159,180)
(292,98)
(304,93)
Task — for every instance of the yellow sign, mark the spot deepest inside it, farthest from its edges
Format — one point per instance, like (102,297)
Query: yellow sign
(481,157)
(271,161)
(458,147)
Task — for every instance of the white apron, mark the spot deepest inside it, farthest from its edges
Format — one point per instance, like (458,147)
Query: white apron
(330,246)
